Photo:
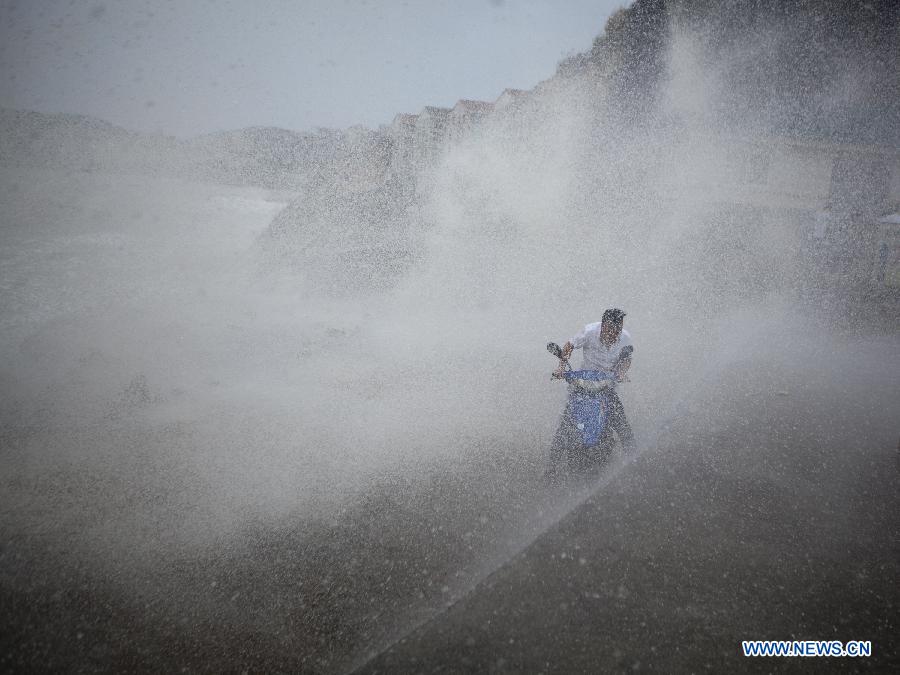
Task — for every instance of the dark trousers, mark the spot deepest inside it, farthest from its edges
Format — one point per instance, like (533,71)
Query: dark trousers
(619,423)
(567,446)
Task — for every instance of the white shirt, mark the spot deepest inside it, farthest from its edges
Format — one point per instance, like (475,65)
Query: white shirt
(597,356)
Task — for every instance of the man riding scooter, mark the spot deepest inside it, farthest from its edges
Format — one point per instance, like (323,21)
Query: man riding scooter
(607,349)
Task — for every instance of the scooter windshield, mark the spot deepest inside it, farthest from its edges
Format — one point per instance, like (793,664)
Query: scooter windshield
(590,381)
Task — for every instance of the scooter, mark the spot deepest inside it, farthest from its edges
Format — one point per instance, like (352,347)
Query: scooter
(582,439)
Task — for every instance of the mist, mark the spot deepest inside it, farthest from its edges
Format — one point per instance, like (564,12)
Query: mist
(281,417)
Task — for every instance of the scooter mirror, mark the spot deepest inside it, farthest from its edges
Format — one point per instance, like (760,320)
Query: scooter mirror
(554,349)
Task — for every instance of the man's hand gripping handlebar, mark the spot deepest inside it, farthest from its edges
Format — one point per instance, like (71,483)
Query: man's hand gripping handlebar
(564,366)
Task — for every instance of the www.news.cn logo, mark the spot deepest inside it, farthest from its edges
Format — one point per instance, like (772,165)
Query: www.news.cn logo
(806,648)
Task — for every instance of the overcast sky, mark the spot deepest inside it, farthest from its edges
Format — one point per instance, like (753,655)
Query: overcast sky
(192,66)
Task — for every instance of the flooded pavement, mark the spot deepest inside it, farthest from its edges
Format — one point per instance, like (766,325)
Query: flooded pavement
(763,515)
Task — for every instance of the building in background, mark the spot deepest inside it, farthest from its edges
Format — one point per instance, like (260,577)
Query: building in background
(465,117)
(402,132)
(431,134)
